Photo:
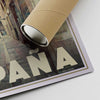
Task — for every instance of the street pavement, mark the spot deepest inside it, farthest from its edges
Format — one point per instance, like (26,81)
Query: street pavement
(11,49)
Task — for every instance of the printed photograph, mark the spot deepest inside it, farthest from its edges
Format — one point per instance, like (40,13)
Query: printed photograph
(21,60)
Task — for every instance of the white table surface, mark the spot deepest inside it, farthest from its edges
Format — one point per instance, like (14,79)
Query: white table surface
(87,18)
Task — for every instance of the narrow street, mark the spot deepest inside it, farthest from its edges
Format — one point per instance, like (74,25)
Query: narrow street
(3,49)
(11,49)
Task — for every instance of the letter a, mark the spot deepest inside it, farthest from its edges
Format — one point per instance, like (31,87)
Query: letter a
(17,72)
(64,59)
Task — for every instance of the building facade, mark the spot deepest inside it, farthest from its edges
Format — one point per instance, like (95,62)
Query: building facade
(12,15)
